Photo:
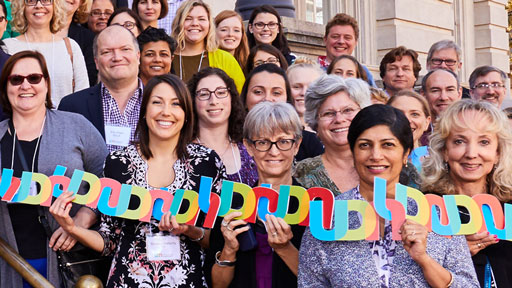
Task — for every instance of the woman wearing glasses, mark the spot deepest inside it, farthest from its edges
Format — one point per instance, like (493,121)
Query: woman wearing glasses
(156,53)
(38,22)
(219,116)
(34,138)
(100,12)
(268,82)
(126,18)
(76,14)
(272,135)
(331,104)
(150,11)
(265,27)
(263,54)
(194,30)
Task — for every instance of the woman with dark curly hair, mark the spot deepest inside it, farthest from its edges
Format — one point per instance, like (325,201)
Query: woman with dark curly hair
(219,119)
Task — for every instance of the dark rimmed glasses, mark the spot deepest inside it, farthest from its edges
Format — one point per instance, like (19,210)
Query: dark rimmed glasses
(205,94)
(264,145)
(34,2)
(261,25)
(16,80)
(97,12)
(448,62)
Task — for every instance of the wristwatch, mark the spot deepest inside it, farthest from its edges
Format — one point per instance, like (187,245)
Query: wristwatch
(224,263)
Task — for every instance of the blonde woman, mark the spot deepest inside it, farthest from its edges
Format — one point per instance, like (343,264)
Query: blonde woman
(194,31)
(38,21)
(469,155)
(232,36)
(301,74)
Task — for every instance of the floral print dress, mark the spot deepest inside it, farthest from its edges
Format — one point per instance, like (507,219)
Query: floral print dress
(126,239)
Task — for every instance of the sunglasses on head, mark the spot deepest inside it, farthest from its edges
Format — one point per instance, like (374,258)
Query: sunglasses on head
(34,78)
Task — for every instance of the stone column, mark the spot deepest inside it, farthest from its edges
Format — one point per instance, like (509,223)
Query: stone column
(490,30)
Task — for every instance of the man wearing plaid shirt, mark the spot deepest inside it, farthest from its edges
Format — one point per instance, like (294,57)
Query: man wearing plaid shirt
(113,105)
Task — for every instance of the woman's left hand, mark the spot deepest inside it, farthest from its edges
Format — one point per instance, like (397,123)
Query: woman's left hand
(414,237)
(61,240)
(279,232)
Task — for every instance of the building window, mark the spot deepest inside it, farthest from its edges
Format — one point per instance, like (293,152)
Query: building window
(314,11)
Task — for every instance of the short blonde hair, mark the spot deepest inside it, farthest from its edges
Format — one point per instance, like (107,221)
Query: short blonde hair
(20,23)
(82,13)
(435,174)
(178,33)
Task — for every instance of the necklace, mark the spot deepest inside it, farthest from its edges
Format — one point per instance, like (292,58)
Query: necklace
(232,153)
(37,144)
(198,67)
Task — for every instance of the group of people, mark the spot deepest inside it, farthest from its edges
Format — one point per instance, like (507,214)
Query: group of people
(158,95)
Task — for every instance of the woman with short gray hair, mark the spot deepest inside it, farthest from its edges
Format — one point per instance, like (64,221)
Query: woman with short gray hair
(331,104)
(272,135)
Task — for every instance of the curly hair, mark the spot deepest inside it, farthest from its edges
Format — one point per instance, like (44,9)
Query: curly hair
(242,51)
(20,23)
(435,175)
(82,13)
(237,115)
(178,33)
(342,19)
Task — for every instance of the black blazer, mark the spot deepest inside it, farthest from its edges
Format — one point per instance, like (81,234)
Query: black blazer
(84,37)
(88,103)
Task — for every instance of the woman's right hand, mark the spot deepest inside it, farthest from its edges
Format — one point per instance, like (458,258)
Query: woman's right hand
(229,232)
(60,211)
(480,241)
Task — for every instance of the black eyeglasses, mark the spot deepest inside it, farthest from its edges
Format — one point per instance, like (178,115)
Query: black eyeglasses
(261,25)
(449,62)
(265,145)
(17,80)
(205,94)
(34,2)
(96,12)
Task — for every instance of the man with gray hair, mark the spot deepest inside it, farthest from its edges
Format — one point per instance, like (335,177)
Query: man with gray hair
(487,83)
(113,105)
(446,54)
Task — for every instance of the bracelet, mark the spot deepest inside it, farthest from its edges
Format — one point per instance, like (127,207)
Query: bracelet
(200,237)
(223,263)
(451,280)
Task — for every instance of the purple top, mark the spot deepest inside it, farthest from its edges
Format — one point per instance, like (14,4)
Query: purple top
(247,171)
(263,261)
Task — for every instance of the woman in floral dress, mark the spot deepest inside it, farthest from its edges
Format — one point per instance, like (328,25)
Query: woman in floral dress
(161,159)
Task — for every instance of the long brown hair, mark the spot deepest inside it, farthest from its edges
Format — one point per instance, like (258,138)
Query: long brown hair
(242,51)
(186,104)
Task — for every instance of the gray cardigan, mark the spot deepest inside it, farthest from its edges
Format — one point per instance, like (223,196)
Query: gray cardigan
(68,140)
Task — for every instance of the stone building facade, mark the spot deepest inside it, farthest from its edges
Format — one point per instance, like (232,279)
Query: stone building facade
(478,26)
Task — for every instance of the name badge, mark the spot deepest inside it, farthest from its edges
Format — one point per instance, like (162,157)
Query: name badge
(117,135)
(161,247)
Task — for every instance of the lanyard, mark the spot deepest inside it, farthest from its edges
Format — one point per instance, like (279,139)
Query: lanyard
(489,281)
